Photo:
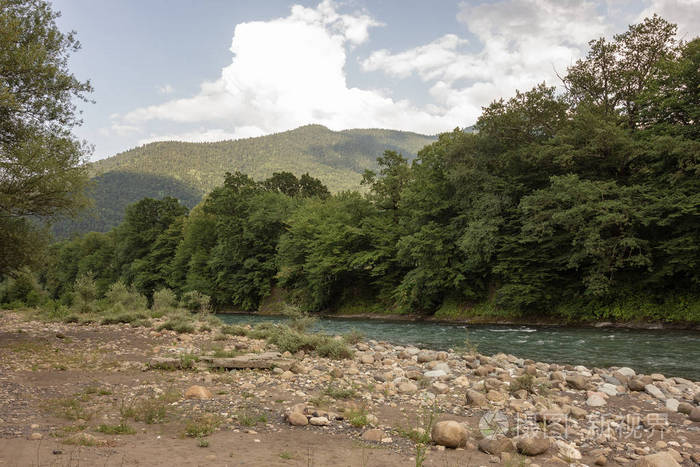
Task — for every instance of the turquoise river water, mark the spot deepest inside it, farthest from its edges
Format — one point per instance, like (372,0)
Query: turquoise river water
(670,352)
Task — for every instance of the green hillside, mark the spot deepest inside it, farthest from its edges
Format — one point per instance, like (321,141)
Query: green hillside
(112,192)
(337,158)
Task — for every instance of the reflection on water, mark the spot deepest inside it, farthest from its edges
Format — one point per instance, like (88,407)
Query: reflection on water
(670,352)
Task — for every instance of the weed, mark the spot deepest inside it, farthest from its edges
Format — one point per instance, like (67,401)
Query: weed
(202,443)
(525,381)
(246,418)
(285,455)
(69,407)
(357,418)
(353,337)
(339,393)
(202,426)
(121,429)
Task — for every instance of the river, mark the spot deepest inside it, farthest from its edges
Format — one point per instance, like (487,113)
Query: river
(670,352)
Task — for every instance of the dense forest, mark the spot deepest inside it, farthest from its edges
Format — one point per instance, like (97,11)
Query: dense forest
(582,204)
(336,157)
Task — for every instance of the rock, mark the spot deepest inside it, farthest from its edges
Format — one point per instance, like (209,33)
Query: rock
(533,446)
(657,377)
(198,392)
(462,381)
(435,374)
(373,435)
(629,372)
(450,434)
(496,446)
(608,389)
(297,419)
(594,400)
(685,408)
(695,415)
(425,356)
(568,452)
(654,391)
(600,460)
(660,459)
(672,405)
(36,436)
(696,398)
(407,388)
(476,398)
(576,381)
(319,421)
(367,359)
(578,412)
(636,384)
(264,360)
(439,388)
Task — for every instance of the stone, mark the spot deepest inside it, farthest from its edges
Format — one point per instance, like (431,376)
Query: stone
(373,435)
(36,436)
(367,359)
(578,412)
(496,446)
(594,400)
(462,381)
(533,445)
(654,391)
(608,389)
(297,419)
(600,460)
(439,388)
(672,404)
(435,374)
(576,381)
(425,356)
(198,392)
(695,415)
(495,396)
(450,434)
(476,398)
(660,459)
(568,451)
(263,360)
(319,421)
(685,408)
(636,384)
(407,388)
(629,372)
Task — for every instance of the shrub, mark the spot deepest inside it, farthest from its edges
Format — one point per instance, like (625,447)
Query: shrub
(335,349)
(84,294)
(120,294)
(164,301)
(196,302)
(179,324)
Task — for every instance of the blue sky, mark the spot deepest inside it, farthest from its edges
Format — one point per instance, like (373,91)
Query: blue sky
(209,70)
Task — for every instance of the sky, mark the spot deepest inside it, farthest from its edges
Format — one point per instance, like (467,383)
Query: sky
(211,70)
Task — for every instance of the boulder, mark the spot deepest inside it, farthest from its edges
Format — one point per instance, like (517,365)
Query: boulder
(496,446)
(425,356)
(576,381)
(654,391)
(198,392)
(373,435)
(533,446)
(568,451)
(685,408)
(297,419)
(439,388)
(476,398)
(594,400)
(694,415)
(450,434)
(660,459)
(407,388)
(636,384)
(319,421)
(264,360)
(629,372)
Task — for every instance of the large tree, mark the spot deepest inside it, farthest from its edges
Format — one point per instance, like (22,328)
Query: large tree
(42,170)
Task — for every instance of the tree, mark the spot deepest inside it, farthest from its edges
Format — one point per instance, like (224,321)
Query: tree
(41,161)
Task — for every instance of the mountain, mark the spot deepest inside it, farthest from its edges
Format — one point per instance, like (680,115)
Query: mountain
(337,158)
(187,171)
(112,192)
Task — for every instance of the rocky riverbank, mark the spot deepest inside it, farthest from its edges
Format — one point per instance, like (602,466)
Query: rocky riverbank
(122,395)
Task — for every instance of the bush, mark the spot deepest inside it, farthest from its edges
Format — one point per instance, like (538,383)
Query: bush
(196,302)
(118,314)
(335,349)
(164,301)
(178,323)
(120,294)
(84,294)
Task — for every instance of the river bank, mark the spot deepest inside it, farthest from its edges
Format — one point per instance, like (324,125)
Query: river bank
(95,394)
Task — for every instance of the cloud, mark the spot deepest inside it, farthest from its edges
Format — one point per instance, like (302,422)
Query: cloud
(166,89)
(289,72)
(520,43)
(685,13)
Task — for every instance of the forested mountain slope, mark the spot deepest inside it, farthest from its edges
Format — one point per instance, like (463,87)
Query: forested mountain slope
(337,158)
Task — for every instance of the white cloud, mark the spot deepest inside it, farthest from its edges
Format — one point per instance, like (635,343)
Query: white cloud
(166,89)
(289,72)
(685,13)
(522,43)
